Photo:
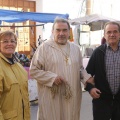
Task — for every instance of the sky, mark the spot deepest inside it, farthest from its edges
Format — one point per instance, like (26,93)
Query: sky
(71,7)
(109,8)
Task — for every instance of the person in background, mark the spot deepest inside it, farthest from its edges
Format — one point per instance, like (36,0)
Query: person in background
(14,99)
(104,65)
(25,62)
(56,66)
(103,40)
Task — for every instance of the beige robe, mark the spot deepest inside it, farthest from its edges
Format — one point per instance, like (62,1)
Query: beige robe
(48,62)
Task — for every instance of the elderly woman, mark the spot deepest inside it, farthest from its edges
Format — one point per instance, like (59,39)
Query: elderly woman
(14,99)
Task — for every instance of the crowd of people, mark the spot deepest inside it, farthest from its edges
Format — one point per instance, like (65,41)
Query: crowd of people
(24,60)
(58,69)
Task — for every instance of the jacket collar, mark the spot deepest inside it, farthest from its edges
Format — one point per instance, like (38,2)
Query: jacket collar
(103,47)
(109,45)
(15,59)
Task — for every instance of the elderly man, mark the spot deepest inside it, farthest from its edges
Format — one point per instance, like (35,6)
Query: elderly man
(104,65)
(56,66)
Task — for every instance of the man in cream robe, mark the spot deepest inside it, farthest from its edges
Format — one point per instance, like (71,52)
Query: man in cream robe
(49,62)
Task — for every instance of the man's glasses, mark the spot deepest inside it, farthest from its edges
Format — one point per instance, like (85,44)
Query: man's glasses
(8,41)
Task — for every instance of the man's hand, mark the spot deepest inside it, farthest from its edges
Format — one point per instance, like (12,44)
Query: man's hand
(58,80)
(95,93)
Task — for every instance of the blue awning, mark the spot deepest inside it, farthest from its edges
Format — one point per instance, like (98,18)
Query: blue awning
(12,16)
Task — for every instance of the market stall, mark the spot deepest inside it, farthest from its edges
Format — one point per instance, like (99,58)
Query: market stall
(11,16)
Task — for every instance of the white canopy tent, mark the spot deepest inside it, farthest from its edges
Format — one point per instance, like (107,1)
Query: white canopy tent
(95,21)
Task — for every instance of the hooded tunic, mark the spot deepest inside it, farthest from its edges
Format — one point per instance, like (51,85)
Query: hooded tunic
(47,63)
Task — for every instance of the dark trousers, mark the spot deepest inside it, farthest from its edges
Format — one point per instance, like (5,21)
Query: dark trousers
(106,109)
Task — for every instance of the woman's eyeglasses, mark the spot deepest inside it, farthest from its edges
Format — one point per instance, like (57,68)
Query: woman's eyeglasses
(8,41)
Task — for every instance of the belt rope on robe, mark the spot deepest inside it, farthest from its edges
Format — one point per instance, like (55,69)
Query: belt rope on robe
(66,90)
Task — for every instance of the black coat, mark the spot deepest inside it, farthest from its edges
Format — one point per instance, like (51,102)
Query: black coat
(96,67)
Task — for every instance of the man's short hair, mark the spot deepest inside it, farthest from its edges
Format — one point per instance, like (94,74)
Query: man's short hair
(112,23)
(57,20)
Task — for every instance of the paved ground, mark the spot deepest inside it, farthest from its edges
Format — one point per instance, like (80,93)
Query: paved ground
(86,108)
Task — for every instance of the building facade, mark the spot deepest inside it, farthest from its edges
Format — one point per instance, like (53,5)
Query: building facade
(27,36)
